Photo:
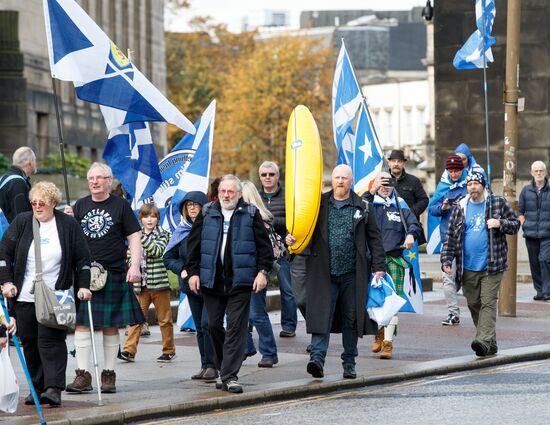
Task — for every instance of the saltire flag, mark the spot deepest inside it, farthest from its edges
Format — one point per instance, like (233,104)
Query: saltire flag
(346,99)
(184,319)
(130,153)
(412,285)
(81,52)
(368,157)
(470,56)
(186,168)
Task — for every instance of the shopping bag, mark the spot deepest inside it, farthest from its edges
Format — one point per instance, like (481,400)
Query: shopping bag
(383,302)
(9,388)
(54,309)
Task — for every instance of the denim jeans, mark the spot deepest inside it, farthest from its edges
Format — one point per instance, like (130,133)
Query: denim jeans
(289,317)
(539,255)
(259,319)
(343,291)
(449,289)
(200,317)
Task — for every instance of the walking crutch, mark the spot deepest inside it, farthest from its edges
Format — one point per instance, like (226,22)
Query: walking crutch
(94,352)
(24,365)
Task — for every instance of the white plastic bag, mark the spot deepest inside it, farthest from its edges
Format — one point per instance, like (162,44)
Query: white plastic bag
(392,302)
(9,389)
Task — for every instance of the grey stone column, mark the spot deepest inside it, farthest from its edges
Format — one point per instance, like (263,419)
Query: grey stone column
(13,86)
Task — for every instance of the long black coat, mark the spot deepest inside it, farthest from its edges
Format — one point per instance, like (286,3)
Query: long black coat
(369,257)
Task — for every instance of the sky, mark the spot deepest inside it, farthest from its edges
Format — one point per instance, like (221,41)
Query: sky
(231,12)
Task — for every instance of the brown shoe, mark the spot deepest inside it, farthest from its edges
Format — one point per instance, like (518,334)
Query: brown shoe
(82,382)
(210,375)
(199,374)
(386,351)
(378,338)
(108,380)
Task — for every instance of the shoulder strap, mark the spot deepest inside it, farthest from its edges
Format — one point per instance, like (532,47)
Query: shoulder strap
(37,251)
(7,179)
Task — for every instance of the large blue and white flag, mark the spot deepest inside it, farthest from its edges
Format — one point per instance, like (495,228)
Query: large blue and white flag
(470,56)
(131,155)
(368,157)
(81,52)
(412,284)
(346,99)
(186,168)
(184,318)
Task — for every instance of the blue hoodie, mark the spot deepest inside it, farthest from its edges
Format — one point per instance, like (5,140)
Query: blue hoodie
(472,164)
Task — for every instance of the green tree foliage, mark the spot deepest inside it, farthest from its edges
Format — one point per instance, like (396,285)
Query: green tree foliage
(76,165)
(197,64)
(257,84)
(4,163)
(260,92)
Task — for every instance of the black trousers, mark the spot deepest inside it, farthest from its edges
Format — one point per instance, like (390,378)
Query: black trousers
(229,344)
(44,348)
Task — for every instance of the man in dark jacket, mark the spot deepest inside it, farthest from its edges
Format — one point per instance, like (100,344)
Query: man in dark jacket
(479,264)
(230,255)
(15,184)
(339,267)
(408,186)
(534,215)
(273,196)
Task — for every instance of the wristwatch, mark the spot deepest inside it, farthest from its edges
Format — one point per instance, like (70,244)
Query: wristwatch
(264,272)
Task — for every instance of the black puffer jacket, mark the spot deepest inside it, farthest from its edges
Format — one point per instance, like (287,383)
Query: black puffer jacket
(535,206)
(276,206)
(14,195)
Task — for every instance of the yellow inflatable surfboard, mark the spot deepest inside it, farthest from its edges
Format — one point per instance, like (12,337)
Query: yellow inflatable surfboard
(304,177)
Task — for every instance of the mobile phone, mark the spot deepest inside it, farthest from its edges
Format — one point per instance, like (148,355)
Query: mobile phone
(389,181)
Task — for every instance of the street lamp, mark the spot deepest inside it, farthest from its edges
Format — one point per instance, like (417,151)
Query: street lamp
(428,11)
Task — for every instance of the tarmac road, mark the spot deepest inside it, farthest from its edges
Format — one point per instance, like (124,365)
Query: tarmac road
(511,394)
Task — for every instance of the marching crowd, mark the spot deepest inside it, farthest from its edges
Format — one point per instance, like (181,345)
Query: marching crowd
(227,247)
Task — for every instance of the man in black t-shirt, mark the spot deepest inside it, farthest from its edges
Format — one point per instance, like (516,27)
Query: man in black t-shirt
(108,222)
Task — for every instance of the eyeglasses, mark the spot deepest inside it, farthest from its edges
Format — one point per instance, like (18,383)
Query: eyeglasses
(267,174)
(36,203)
(191,204)
(97,178)
(227,192)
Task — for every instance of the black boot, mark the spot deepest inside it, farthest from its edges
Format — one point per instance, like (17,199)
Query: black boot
(51,396)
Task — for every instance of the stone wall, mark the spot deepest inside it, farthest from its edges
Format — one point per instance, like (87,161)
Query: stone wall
(459,107)
(13,87)
(134,24)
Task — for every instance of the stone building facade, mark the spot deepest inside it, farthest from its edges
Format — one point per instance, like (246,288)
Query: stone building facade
(27,114)
(459,106)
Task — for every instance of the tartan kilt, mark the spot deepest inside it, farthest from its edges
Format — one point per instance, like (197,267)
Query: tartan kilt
(114,306)
(396,269)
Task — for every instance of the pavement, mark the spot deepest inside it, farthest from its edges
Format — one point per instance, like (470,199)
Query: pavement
(423,347)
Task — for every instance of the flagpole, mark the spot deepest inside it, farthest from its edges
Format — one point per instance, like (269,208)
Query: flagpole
(61,144)
(490,200)
(134,200)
